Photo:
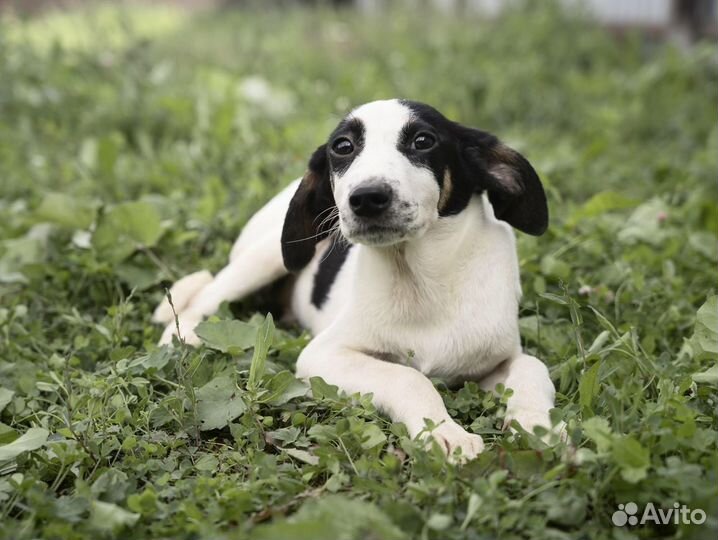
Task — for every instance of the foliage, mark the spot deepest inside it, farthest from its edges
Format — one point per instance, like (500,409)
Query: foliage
(133,156)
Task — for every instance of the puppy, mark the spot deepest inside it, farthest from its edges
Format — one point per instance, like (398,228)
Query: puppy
(400,237)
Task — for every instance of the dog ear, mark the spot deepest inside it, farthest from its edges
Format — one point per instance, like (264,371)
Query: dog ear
(513,186)
(304,224)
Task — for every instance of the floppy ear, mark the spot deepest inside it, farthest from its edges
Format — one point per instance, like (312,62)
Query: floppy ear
(514,188)
(304,224)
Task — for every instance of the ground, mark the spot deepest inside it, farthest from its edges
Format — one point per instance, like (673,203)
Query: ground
(133,146)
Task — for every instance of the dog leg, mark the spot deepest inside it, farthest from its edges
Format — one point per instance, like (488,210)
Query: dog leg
(533,392)
(182,293)
(259,265)
(255,261)
(401,392)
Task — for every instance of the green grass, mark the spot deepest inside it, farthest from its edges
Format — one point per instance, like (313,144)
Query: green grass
(131,153)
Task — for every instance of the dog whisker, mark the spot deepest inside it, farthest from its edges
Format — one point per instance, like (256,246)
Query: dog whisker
(328,219)
(336,238)
(320,214)
(304,239)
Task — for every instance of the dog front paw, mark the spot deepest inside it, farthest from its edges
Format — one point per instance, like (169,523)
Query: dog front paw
(186,331)
(451,437)
(181,293)
(529,419)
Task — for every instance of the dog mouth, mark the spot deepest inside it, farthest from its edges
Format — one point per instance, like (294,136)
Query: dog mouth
(395,225)
(378,234)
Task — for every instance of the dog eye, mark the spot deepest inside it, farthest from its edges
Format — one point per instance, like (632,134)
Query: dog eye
(342,146)
(424,141)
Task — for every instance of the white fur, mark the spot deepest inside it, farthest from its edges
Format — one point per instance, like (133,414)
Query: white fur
(181,293)
(443,303)
(414,187)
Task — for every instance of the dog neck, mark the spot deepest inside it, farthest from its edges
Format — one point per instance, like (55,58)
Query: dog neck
(437,259)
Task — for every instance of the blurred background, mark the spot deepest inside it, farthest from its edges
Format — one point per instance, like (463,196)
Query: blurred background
(686,19)
(203,109)
(200,110)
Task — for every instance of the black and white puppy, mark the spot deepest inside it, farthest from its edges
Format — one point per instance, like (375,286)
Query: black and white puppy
(400,237)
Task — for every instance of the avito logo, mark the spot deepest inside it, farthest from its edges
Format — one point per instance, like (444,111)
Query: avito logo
(627,514)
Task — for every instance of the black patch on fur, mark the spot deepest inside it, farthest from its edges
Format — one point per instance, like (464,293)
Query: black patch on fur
(477,161)
(443,157)
(353,129)
(312,202)
(328,269)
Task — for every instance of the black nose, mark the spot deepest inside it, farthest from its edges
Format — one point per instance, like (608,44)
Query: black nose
(370,201)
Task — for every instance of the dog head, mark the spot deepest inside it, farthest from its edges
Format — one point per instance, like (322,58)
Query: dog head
(393,168)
